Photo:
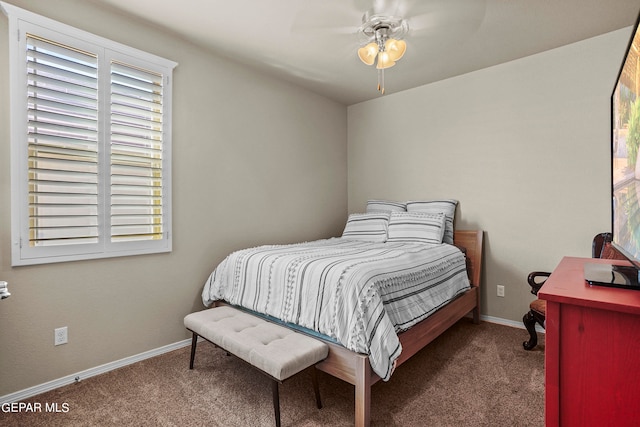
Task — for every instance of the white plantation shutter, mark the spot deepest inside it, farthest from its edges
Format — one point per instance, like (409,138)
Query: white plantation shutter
(136,154)
(90,144)
(62,105)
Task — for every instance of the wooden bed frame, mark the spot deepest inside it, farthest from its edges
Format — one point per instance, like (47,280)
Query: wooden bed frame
(354,367)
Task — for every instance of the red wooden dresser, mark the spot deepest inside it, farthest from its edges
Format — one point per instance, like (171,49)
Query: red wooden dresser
(592,350)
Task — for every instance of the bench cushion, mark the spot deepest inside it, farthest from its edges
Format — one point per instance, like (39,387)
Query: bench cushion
(274,349)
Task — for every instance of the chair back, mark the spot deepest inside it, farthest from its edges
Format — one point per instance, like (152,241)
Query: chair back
(600,241)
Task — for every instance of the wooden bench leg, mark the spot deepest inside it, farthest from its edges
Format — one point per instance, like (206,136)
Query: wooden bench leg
(316,388)
(276,401)
(194,342)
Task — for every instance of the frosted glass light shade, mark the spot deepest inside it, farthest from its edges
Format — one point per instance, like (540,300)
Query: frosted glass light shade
(384,61)
(396,48)
(367,54)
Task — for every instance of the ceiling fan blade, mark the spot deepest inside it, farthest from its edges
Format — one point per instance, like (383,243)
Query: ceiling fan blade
(333,16)
(402,8)
(323,30)
(381,7)
(467,18)
(410,8)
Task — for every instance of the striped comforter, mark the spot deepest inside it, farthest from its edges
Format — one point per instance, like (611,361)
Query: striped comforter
(359,293)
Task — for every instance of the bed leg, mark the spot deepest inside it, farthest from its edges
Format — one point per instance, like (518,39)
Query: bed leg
(476,310)
(476,315)
(363,392)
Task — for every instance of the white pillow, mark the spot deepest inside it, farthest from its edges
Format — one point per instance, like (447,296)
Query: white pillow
(385,206)
(416,227)
(446,206)
(370,227)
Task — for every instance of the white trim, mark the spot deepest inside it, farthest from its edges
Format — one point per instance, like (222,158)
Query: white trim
(79,376)
(507,322)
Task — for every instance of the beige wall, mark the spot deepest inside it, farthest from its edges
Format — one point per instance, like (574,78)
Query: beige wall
(255,161)
(524,146)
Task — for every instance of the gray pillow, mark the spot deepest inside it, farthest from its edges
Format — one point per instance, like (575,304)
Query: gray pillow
(370,227)
(416,227)
(385,206)
(446,206)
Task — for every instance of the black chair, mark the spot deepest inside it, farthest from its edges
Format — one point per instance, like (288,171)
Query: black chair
(600,248)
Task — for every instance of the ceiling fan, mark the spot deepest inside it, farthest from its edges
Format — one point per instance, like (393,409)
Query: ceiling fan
(383,35)
(385,24)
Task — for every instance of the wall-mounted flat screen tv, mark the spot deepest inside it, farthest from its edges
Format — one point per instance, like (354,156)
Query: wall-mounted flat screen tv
(625,162)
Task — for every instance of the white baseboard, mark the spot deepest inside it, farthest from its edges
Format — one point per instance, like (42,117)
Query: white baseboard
(79,376)
(507,322)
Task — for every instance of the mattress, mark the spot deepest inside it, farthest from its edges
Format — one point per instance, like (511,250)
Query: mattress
(361,294)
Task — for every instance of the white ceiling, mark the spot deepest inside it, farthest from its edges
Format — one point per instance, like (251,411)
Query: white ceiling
(313,43)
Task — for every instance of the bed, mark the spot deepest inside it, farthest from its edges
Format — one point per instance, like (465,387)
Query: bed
(375,298)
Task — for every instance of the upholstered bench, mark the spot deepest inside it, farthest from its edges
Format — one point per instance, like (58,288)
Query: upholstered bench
(274,350)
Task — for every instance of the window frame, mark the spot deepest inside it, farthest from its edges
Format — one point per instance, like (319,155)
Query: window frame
(22,22)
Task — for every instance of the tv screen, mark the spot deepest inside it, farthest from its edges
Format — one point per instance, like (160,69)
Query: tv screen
(625,146)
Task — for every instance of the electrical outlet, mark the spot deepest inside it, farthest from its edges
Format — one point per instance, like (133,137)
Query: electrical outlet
(500,290)
(60,336)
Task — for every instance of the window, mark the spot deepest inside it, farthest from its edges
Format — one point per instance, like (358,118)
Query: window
(90,144)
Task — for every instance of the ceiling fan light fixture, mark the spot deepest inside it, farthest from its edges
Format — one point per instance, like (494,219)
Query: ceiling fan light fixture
(367,54)
(385,61)
(395,48)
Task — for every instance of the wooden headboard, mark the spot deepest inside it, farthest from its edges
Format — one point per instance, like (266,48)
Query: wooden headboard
(471,240)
